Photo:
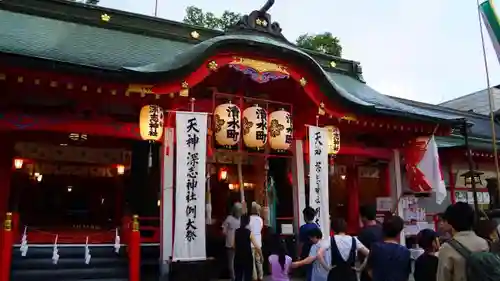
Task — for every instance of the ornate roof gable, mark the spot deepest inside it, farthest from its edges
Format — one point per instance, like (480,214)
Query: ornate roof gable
(259,21)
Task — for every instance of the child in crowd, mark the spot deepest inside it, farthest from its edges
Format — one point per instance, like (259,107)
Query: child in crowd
(280,263)
(304,241)
(426,265)
(318,272)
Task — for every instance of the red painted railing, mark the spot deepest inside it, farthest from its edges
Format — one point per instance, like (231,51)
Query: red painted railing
(150,226)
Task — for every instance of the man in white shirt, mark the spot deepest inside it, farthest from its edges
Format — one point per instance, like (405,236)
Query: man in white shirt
(256,224)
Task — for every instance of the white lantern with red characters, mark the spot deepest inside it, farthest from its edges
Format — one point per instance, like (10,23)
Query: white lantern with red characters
(280,130)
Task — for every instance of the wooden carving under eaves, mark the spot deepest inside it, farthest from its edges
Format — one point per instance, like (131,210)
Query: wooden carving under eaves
(260,21)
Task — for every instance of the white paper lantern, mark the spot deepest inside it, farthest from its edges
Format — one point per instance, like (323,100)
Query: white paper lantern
(255,127)
(280,130)
(227,124)
(151,122)
(333,140)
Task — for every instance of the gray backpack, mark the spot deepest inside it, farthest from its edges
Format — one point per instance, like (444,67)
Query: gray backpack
(480,266)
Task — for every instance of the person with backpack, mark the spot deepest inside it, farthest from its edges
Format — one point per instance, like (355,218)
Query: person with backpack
(343,250)
(465,257)
(488,230)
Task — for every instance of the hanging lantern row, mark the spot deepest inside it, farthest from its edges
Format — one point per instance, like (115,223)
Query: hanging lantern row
(333,140)
(255,124)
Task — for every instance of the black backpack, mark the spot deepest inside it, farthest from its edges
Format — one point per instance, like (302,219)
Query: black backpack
(480,266)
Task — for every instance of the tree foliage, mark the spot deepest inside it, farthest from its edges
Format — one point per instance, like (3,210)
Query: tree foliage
(196,16)
(324,42)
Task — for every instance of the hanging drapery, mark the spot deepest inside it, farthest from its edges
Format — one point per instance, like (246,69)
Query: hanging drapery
(318,176)
(191,145)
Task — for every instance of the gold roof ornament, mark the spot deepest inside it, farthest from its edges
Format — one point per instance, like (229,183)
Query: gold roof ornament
(212,65)
(105,17)
(194,34)
(303,82)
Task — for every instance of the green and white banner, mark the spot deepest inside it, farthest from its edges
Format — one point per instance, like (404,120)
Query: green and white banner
(492,24)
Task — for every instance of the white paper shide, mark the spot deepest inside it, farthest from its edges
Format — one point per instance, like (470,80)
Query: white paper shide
(318,176)
(191,147)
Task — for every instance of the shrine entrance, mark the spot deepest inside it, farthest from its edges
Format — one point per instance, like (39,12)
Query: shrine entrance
(70,185)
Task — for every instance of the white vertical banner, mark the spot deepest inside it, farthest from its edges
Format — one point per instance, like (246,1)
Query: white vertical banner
(191,149)
(318,177)
(167,214)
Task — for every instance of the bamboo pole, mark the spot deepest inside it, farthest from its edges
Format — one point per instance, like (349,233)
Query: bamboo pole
(491,100)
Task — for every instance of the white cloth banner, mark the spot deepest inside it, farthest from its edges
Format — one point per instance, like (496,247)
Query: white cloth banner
(191,148)
(431,168)
(318,177)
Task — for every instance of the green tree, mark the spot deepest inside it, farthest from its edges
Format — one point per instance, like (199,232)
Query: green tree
(324,42)
(196,16)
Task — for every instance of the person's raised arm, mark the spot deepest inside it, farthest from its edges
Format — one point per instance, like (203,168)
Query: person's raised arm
(308,260)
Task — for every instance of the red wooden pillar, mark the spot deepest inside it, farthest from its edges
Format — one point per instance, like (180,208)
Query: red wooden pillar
(134,251)
(352,199)
(6,168)
(6,249)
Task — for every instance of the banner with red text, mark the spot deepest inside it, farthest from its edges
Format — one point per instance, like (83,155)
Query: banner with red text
(191,148)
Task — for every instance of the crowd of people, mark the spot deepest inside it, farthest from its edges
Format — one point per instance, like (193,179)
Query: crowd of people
(463,249)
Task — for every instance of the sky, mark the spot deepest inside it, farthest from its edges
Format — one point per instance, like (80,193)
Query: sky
(424,50)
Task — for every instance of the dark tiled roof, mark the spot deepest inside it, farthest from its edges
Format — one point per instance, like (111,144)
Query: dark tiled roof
(482,125)
(107,48)
(81,44)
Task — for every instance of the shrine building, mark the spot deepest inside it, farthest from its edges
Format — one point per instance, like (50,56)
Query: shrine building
(77,173)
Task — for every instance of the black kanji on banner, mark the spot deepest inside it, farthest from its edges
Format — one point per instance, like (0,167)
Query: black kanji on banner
(193,159)
(318,167)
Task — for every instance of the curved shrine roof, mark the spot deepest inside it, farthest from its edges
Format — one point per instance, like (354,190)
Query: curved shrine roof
(75,39)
